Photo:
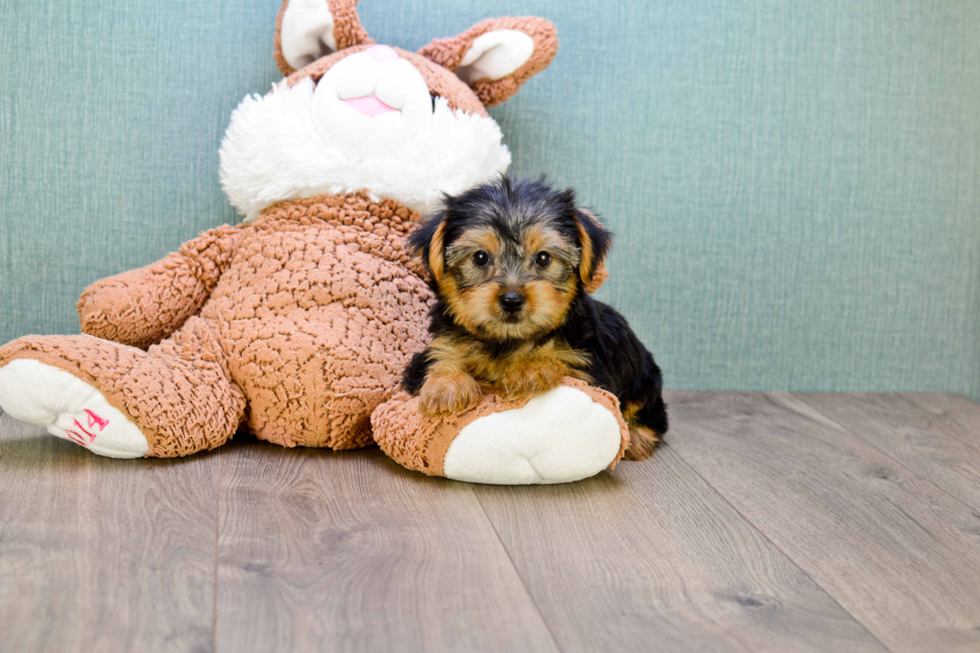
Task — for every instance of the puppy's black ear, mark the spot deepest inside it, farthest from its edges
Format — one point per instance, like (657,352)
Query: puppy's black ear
(595,242)
(429,241)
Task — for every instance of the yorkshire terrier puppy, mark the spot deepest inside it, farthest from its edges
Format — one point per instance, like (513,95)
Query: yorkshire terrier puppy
(509,263)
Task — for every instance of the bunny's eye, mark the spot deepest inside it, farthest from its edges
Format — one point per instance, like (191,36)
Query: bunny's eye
(433,96)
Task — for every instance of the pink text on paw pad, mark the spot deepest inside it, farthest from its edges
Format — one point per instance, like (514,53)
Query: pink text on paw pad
(94,419)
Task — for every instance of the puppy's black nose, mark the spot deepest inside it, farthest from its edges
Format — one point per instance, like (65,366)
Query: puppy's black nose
(512,301)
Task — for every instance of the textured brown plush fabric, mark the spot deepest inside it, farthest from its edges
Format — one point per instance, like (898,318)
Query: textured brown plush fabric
(313,313)
(420,443)
(307,318)
(318,314)
(179,393)
(441,81)
(347,31)
(277,54)
(300,324)
(142,307)
(449,52)
(308,315)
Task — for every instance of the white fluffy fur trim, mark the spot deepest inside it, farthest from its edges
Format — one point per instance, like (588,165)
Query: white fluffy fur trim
(273,151)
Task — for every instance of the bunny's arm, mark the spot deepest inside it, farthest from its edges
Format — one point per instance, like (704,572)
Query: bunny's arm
(142,307)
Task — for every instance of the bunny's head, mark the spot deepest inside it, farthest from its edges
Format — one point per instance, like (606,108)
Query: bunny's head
(354,115)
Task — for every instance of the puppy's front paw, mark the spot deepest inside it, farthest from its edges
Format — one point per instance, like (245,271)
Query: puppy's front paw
(530,379)
(450,393)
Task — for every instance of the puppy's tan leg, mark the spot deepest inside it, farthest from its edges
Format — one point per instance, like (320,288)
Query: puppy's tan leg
(530,377)
(535,370)
(448,391)
(448,387)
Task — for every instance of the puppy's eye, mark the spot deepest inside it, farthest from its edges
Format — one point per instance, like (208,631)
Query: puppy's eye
(542,259)
(481,258)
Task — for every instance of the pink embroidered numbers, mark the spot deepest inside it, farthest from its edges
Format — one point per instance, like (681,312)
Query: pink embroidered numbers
(94,419)
(87,439)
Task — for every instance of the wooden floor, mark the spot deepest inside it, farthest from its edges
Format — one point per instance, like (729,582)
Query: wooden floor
(768,522)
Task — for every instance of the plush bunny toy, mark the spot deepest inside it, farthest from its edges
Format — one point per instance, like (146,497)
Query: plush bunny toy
(299,321)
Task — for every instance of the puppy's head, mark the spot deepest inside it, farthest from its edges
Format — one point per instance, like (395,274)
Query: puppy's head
(509,257)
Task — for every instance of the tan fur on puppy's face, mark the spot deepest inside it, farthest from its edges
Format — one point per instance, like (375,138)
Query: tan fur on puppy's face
(513,264)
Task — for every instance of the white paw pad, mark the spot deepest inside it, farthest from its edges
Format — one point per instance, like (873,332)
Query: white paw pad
(68,408)
(558,437)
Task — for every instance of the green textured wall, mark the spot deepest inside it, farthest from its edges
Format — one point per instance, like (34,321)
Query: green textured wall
(795,185)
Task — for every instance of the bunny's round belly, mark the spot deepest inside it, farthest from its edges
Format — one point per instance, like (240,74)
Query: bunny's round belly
(317,334)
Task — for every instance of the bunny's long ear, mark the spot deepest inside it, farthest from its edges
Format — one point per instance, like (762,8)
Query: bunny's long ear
(495,57)
(309,29)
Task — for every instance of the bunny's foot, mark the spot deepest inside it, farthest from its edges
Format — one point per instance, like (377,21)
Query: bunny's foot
(572,432)
(173,400)
(68,408)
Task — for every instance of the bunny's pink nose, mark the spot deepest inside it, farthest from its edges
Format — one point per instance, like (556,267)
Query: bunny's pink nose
(383,53)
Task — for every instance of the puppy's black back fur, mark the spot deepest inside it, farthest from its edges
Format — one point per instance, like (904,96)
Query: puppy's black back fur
(619,362)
